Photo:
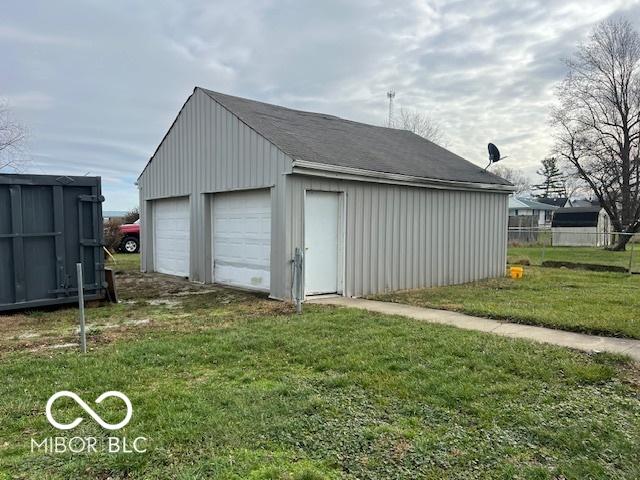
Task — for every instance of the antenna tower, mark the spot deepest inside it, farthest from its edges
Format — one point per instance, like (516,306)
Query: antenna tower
(391,94)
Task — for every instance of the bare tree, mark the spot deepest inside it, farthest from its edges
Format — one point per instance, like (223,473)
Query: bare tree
(418,123)
(515,176)
(598,121)
(574,186)
(132,215)
(12,136)
(113,234)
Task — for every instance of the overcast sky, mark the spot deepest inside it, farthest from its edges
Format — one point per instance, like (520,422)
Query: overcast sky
(98,83)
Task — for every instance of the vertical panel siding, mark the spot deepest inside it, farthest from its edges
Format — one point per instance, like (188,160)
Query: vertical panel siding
(207,150)
(404,237)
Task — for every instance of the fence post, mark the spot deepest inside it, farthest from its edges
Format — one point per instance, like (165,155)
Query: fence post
(631,257)
(543,249)
(297,279)
(83,338)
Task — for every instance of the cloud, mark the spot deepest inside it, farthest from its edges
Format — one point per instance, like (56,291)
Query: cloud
(30,101)
(484,68)
(18,35)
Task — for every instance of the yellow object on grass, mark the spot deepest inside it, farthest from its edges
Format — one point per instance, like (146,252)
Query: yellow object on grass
(516,272)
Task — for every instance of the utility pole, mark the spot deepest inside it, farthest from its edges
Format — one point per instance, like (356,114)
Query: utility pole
(391,94)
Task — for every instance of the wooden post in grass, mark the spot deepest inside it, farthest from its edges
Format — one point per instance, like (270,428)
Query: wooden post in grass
(83,338)
(631,257)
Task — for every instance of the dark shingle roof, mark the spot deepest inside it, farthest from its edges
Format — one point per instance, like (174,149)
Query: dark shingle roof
(556,202)
(576,217)
(326,139)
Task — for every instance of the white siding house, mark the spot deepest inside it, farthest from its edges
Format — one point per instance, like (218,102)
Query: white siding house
(527,207)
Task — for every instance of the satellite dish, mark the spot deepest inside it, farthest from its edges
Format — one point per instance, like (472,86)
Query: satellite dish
(494,153)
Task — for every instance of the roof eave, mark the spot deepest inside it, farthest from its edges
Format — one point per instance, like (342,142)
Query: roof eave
(304,167)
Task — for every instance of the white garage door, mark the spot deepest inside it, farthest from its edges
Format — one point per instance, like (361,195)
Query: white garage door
(171,236)
(242,238)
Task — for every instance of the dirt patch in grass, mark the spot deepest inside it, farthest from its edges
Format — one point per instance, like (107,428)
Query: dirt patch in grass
(136,285)
(147,301)
(631,373)
(594,267)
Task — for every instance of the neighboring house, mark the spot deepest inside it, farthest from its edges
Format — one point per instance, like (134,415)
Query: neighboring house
(581,226)
(560,202)
(237,185)
(527,207)
(585,202)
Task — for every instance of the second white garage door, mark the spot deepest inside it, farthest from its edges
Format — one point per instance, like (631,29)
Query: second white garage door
(171,236)
(242,239)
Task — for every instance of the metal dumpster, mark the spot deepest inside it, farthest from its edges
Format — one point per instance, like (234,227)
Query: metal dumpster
(48,224)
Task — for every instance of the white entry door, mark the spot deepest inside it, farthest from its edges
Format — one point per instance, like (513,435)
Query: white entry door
(241,235)
(171,236)
(321,242)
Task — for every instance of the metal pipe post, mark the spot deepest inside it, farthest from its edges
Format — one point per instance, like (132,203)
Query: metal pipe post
(83,338)
(297,286)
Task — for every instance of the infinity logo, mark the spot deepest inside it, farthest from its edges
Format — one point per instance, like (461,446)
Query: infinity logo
(89,410)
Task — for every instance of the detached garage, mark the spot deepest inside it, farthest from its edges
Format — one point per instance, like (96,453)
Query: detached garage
(237,185)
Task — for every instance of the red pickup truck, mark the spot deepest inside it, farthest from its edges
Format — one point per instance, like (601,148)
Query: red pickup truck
(130,237)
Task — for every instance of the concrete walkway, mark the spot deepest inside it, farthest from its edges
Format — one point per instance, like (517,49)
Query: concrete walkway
(579,341)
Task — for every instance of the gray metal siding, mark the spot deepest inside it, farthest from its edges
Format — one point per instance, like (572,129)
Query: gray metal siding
(400,237)
(207,150)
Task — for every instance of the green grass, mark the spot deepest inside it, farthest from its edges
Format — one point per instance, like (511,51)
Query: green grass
(124,262)
(578,255)
(229,385)
(577,300)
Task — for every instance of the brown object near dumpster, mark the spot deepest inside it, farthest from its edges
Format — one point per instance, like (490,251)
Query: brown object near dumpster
(112,294)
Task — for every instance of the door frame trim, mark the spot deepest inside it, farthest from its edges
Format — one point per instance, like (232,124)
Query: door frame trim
(342,239)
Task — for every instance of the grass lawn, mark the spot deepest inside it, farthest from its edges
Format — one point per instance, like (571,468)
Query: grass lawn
(577,300)
(124,262)
(229,385)
(578,255)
